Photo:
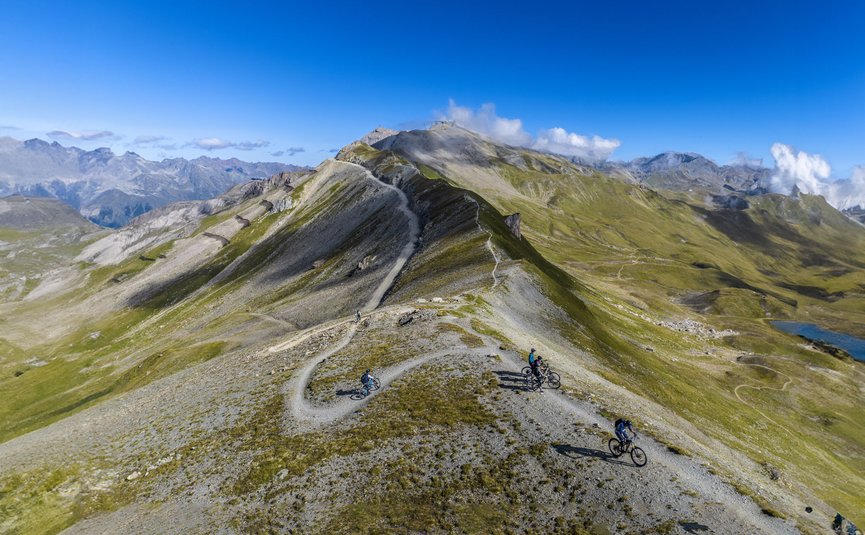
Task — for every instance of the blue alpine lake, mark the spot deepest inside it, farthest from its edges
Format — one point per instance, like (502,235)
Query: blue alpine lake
(850,344)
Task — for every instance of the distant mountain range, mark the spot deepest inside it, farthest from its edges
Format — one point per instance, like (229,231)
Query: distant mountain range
(110,189)
(681,171)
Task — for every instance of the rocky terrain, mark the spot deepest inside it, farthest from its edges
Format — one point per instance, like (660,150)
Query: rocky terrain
(683,171)
(197,371)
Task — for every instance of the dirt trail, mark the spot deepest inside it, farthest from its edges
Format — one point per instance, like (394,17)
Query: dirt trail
(555,408)
(407,250)
(272,319)
(489,243)
(559,407)
(782,389)
(300,407)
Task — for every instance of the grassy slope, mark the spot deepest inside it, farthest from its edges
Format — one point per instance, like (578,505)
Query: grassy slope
(645,253)
(110,355)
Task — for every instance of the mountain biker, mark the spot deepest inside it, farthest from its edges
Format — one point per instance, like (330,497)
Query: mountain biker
(366,381)
(534,361)
(622,428)
(357,318)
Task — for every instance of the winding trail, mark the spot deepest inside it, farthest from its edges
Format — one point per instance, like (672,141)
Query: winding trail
(555,405)
(782,389)
(301,409)
(489,243)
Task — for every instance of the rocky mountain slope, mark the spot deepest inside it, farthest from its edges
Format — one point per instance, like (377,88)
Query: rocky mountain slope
(684,171)
(111,189)
(198,369)
(36,233)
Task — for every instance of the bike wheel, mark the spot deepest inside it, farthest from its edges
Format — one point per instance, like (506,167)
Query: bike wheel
(615,447)
(554,380)
(527,371)
(376,384)
(639,456)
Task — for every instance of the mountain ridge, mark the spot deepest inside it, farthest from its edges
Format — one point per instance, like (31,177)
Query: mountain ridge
(110,189)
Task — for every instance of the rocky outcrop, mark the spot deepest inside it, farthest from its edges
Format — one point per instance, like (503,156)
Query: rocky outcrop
(267,204)
(363,264)
(377,135)
(730,202)
(242,220)
(252,189)
(224,241)
(282,205)
(513,223)
(282,179)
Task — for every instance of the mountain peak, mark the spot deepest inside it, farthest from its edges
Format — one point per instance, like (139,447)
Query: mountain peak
(378,134)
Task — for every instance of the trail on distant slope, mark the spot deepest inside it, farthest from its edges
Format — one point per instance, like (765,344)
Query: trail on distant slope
(489,243)
(300,407)
(782,389)
(271,319)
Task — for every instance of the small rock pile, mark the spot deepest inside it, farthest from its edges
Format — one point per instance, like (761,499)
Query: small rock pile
(696,328)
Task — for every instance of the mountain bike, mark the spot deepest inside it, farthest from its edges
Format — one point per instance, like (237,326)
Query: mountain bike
(547,376)
(618,448)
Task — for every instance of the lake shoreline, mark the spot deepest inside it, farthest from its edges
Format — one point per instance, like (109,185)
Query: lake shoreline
(839,345)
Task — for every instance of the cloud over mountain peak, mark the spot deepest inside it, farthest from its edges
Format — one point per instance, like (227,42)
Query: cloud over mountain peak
(486,121)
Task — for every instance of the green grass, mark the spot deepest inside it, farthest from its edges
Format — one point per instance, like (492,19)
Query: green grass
(45,394)
(592,241)
(420,403)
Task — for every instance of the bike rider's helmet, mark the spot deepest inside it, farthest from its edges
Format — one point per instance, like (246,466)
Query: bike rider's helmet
(533,349)
(627,422)
(367,371)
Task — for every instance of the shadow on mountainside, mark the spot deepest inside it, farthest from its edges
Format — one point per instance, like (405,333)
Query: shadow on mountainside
(576,452)
(512,381)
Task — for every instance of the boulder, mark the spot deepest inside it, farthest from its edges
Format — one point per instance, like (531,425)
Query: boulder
(513,223)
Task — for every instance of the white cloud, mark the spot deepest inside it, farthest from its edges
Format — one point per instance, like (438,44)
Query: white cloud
(810,173)
(216,143)
(560,141)
(848,193)
(485,121)
(744,159)
(251,145)
(88,135)
(211,143)
(148,140)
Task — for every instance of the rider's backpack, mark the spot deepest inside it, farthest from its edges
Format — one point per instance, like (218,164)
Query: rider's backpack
(619,423)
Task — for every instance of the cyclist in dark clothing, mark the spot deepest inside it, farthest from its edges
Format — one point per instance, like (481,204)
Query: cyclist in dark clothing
(366,381)
(622,428)
(534,364)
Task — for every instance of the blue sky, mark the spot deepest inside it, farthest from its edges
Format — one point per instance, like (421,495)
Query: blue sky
(258,78)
